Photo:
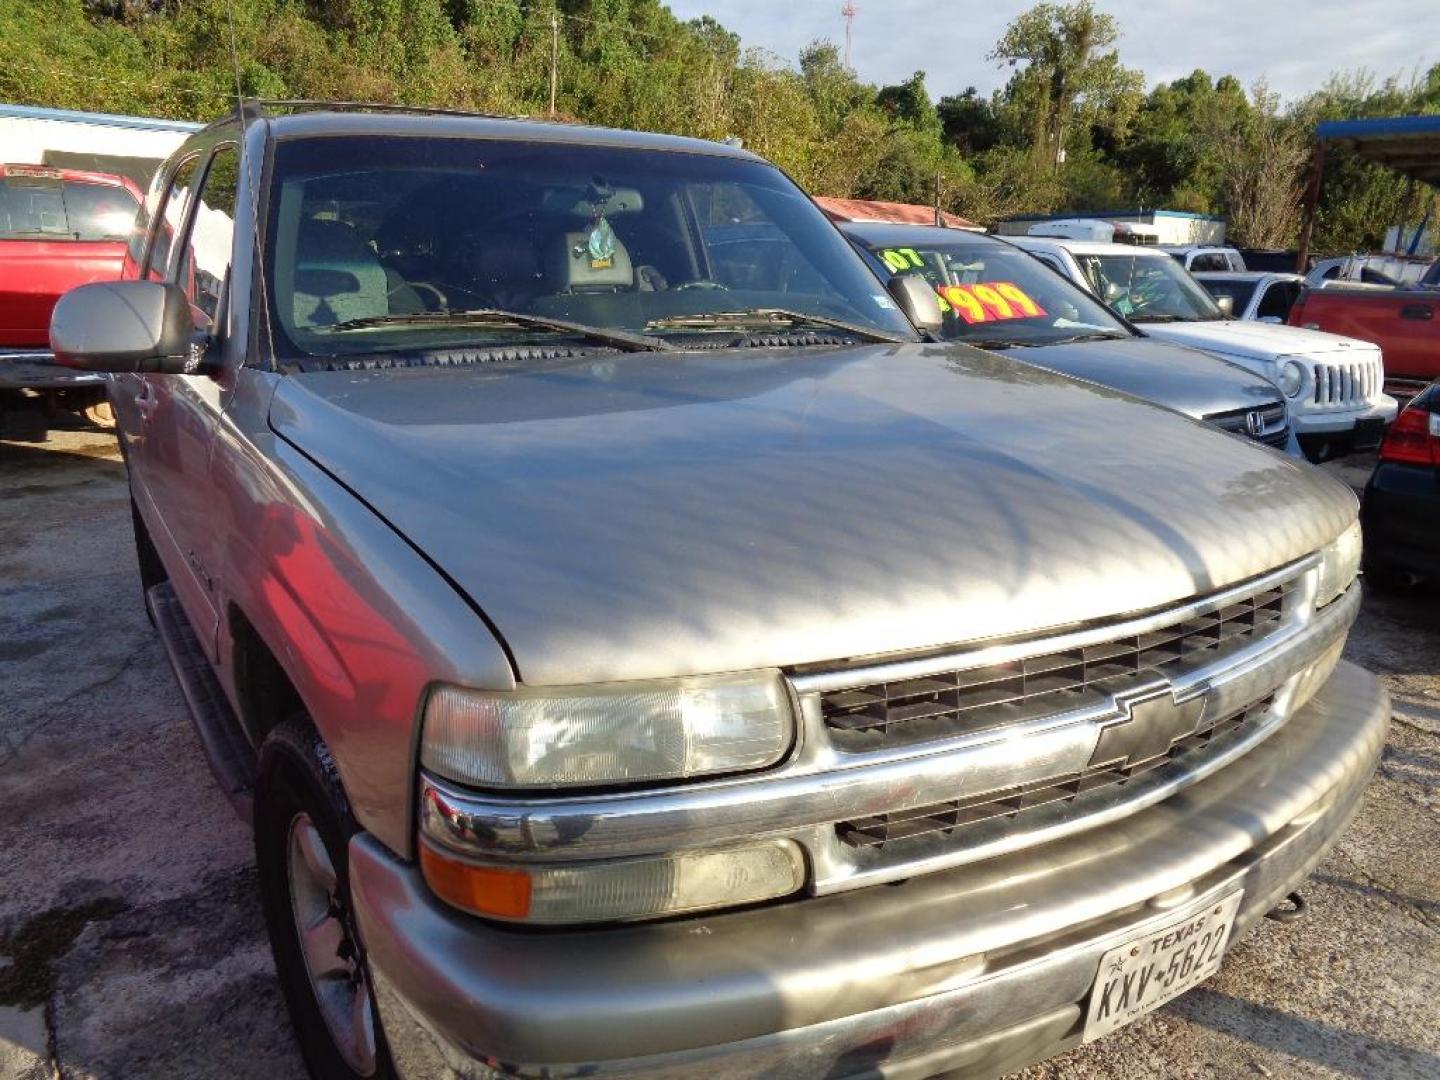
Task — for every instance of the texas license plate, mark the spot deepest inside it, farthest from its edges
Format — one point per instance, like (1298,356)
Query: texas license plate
(1145,972)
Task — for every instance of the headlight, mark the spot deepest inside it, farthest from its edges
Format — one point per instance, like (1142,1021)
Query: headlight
(1291,378)
(1339,563)
(615,733)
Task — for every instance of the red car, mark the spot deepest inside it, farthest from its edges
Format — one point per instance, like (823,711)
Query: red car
(1404,322)
(58,228)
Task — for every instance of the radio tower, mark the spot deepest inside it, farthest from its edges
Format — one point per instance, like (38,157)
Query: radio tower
(849,11)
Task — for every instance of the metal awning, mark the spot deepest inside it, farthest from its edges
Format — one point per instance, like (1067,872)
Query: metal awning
(1408,144)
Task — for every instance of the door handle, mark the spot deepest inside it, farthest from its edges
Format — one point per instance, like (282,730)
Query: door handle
(145,400)
(1417,311)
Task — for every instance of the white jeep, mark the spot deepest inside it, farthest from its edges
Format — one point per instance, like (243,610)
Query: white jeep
(1335,385)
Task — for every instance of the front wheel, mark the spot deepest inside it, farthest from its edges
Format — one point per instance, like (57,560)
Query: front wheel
(303,826)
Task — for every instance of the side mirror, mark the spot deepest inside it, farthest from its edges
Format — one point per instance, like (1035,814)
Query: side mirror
(125,326)
(917,301)
(1226,304)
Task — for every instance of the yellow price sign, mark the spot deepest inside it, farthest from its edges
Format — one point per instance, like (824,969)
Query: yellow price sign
(902,259)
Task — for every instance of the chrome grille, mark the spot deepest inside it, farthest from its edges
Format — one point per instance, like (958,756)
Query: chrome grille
(1345,384)
(1273,428)
(957,702)
(1183,755)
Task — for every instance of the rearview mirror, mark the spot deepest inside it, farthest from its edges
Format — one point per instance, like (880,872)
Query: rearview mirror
(917,301)
(124,326)
(1226,304)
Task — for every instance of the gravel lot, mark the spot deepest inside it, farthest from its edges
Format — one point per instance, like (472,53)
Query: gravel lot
(131,942)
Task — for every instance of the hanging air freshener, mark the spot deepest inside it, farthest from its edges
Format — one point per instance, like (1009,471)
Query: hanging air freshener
(601,245)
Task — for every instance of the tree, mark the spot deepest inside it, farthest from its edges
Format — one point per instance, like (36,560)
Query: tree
(969,122)
(1071,75)
(1262,162)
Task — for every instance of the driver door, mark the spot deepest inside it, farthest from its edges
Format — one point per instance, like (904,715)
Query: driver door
(180,413)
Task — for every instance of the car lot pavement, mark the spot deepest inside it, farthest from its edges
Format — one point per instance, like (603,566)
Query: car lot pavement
(131,942)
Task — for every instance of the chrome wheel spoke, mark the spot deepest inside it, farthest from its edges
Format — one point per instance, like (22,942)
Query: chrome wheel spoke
(363,1024)
(312,850)
(321,943)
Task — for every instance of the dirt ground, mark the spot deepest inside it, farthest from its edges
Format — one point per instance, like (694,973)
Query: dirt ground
(131,943)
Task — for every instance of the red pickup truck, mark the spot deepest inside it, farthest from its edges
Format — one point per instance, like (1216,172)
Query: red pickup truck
(1405,323)
(58,228)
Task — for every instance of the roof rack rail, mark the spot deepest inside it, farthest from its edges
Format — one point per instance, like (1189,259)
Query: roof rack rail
(266,106)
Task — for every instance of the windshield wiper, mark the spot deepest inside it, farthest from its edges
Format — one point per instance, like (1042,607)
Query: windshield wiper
(765,318)
(517,320)
(1040,343)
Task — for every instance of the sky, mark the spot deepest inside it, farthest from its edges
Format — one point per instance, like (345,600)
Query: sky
(1293,44)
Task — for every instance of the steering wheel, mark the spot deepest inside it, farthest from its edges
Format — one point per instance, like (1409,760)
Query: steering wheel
(701,283)
(425,286)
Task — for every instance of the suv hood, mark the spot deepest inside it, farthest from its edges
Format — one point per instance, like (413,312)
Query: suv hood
(624,516)
(1251,340)
(1187,380)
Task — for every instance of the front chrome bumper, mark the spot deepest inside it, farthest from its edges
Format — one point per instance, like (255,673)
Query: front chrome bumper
(977,969)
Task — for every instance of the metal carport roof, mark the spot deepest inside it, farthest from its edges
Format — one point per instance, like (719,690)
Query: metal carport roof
(1408,144)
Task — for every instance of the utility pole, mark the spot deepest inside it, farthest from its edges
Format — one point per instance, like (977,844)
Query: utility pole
(554,57)
(849,11)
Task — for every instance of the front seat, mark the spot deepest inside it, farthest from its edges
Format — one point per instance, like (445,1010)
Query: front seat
(337,277)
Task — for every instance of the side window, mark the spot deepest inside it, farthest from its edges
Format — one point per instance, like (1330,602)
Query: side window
(1210,261)
(1275,304)
(205,262)
(168,204)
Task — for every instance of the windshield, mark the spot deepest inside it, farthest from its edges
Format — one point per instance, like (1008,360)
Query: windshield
(44,207)
(382,245)
(1148,288)
(1239,292)
(996,294)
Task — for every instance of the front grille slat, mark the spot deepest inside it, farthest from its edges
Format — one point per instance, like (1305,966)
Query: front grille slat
(883,830)
(1345,385)
(1273,427)
(966,700)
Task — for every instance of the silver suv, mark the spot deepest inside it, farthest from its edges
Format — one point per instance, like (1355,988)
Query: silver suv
(638,658)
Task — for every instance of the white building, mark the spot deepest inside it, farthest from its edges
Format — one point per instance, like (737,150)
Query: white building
(1171,226)
(100,142)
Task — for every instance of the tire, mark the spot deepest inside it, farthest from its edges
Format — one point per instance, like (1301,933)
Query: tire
(303,825)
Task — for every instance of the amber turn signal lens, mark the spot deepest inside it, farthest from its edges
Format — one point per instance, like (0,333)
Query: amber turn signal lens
(485,890)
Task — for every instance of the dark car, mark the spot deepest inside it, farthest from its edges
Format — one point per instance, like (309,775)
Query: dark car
(1401,513)
(1004,299)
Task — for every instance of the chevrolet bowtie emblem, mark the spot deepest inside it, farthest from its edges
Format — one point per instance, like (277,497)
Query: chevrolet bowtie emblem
(1148,728)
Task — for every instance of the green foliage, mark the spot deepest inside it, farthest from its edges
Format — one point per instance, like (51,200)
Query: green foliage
(1199,143)
(1071,77)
